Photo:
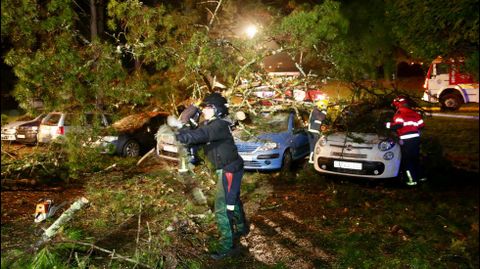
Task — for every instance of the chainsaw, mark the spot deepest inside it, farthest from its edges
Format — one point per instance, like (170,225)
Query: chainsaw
(45,208)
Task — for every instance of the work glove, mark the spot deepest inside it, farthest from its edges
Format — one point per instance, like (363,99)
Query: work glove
(173,122)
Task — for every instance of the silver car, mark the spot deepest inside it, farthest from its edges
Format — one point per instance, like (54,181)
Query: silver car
(57,124)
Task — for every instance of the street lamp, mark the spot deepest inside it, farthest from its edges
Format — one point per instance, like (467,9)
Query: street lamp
(251,30)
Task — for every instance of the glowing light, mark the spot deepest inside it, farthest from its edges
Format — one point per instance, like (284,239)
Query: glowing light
(251,31)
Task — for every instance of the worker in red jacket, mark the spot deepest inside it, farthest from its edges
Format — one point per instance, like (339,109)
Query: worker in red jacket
(407,123)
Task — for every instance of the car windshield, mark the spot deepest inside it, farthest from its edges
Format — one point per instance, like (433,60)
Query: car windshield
(363,119)
(269,122)
(51,119)
(263,122)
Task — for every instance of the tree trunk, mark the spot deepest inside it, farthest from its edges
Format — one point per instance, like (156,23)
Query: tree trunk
(93,21)
(101,18)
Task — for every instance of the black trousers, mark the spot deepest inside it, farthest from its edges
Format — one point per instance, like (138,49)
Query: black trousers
(411,158)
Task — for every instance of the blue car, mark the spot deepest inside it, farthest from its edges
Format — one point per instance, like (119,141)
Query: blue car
(272,140)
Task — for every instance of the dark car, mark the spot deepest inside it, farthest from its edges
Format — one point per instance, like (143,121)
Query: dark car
(27,132)
(10,130)
(133,135)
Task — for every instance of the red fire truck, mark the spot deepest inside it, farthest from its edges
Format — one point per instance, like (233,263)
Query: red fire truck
(447,83)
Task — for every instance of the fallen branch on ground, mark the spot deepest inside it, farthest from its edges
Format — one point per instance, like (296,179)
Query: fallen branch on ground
(22,181)
(145,156)
(8,153)
(112,253)
(65,217)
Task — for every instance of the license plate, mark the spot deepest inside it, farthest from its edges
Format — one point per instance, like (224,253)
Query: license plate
(247,157)
(347,165)
(8,137)
(170,148)
(21,136)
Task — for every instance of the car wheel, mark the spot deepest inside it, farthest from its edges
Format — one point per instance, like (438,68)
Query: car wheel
(286,162)
(131,149)
(451,101)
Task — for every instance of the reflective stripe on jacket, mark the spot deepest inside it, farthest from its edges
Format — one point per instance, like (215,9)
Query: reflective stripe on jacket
(407,123)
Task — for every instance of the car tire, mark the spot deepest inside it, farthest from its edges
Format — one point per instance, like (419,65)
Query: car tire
(287,162)
(131,149)
(451,101)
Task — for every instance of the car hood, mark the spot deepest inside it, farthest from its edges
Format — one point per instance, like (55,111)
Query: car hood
(360,138)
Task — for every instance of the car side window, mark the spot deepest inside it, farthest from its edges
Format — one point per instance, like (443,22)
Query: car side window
(52,119)
(442,69)
(298,122)
(155,122)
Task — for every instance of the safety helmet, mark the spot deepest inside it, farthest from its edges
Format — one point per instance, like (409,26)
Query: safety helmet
(400,101)
(218,102)
(322,104)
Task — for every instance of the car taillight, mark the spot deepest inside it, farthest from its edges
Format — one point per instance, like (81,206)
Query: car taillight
(61,130)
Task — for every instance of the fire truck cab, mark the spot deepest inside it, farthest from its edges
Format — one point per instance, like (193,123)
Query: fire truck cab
(447,83)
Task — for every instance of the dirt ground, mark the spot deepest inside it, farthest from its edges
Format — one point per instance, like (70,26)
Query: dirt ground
(281,231)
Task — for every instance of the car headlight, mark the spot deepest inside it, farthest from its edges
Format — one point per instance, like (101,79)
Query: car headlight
(386,145)
(34,128)
(322,141)
(388,155)
(268,146)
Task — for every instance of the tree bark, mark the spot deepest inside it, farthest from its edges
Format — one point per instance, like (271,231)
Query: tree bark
(93,21)
(101,18)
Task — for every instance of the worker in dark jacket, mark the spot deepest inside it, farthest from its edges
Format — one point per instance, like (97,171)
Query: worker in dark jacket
(215,136)
(317,116)
(407,123)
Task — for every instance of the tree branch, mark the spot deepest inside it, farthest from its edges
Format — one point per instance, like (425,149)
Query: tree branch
(112,253)
(65,217)
(215,13)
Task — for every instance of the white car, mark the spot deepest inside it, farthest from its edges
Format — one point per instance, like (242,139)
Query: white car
(57,124)
(360,146)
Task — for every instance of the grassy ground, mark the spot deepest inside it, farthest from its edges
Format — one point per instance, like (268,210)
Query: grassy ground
(350,223)
(305,220)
